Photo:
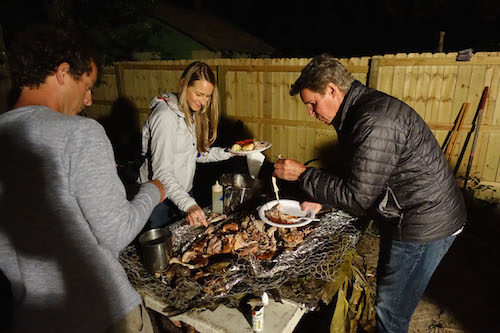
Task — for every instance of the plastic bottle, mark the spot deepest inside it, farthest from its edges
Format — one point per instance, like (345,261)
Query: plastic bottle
(217,198)
(258,313)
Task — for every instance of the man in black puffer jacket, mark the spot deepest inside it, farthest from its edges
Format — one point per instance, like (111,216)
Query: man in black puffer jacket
(395,169)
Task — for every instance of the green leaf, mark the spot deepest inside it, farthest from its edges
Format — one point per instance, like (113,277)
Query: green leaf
(340,315)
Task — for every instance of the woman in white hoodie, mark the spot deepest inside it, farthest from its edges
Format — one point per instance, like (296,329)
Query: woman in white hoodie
(177,134)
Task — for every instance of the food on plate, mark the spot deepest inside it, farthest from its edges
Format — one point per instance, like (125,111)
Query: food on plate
(277,216)
(248,147)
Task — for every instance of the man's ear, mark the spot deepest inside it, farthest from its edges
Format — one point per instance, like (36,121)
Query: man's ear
(62,72)
(331,88)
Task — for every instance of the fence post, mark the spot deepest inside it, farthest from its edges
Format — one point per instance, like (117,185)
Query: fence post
(373,73)
(120,83)
(221,79)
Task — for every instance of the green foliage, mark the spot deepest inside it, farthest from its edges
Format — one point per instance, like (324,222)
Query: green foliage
(354,308)
(117,28)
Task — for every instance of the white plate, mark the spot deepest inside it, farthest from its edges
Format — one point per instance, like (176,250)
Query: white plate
(265,143)
(290,207)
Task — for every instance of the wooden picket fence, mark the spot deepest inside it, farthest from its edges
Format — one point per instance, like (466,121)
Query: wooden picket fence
(256,92)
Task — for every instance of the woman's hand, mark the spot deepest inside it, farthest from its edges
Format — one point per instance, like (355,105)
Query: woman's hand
(196,216)
(314,206)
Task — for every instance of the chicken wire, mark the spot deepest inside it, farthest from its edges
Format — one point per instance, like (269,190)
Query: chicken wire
(320,255)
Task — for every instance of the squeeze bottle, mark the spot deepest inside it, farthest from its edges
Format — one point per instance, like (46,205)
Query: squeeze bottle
(217,198)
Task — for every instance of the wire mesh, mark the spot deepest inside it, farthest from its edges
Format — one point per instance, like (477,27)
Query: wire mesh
(319,256)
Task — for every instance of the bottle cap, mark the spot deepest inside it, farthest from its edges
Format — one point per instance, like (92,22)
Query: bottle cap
(217,187)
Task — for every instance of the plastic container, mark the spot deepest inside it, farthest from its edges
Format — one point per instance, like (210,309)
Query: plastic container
(258,313)
(217,198)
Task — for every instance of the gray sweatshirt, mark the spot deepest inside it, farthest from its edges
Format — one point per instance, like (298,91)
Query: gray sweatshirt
(64,217)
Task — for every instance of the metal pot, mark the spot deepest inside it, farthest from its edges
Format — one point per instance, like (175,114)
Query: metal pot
(156,249)
(239,188)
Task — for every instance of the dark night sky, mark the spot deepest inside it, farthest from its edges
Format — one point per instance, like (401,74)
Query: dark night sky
(345,28)
(368,27)
(365,27)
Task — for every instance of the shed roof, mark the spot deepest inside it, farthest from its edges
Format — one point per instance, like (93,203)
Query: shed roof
(215,33)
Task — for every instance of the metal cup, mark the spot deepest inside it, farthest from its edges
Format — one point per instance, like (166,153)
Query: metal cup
(156,249)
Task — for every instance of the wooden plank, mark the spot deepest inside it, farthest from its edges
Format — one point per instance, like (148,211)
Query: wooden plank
(473,97)
(230,91)
(301,144)
(232,68)
(422,88)
(495,95)
(434,93)
(493,103)
(120,80)
(310,138)
(321,125)
(480,154)
(374,74)
(398,78)
(460,96)
(221,82)
(259,76)
(267,104)
(446,101)
(386,77)
(438,61)
(410,83)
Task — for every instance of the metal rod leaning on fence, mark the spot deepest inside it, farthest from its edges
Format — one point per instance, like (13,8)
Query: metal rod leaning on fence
(449,146)
(476,134)
(469,134)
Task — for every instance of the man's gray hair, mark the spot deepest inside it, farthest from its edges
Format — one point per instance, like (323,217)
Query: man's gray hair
(319,72)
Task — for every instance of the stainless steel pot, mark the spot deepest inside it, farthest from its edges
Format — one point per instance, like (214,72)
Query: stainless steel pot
(156,249)
(239,188)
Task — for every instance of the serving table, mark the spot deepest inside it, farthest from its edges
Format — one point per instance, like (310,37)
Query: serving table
(318,257)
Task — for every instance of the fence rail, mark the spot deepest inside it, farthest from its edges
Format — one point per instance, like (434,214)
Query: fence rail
(256,92)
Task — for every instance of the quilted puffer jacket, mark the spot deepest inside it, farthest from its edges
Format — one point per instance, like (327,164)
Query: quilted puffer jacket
(395,168)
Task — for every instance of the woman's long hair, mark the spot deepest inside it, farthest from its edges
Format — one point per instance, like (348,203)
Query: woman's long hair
(206,120)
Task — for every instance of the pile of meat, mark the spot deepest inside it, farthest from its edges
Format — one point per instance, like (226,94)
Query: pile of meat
(210,255)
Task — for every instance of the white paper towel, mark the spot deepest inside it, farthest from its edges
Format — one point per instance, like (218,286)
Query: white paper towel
(254,163)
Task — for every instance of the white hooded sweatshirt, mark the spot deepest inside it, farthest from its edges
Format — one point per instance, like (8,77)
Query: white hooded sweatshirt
(173,149)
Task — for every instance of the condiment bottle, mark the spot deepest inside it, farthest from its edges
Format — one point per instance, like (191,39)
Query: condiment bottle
(217,198)
(258,312)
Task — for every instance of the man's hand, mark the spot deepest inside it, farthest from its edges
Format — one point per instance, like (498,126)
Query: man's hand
(288,169)
(314,206)
(196,216)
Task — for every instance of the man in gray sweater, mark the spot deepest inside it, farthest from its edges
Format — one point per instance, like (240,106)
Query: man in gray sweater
(64,215)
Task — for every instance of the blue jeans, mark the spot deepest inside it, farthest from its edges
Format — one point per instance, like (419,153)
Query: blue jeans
(403,272)
(163,214)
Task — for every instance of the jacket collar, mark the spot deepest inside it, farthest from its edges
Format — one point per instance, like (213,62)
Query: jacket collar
(171,100)
(355,91)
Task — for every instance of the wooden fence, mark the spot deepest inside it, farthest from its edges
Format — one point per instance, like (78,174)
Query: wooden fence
(436,86)
(256,91)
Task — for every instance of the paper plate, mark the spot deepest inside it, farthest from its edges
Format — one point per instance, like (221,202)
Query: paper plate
(265,144)
(290,207)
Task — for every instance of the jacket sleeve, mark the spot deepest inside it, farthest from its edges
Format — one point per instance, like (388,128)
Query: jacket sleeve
(94,182)
(375,153)
(164,127)
(214,154)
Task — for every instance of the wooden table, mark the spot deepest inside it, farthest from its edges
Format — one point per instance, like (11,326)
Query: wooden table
(278,317)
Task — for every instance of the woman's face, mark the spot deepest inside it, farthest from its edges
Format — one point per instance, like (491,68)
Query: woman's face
(199,94)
